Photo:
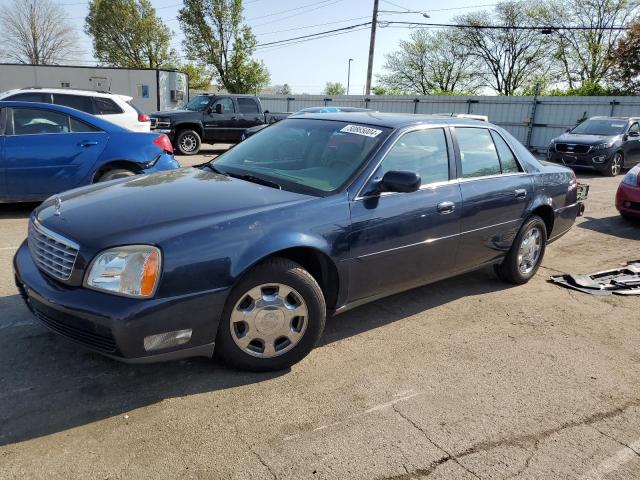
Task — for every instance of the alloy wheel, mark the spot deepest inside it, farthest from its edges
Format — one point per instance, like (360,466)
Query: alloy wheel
(529,251)
(188,143)
(616,164)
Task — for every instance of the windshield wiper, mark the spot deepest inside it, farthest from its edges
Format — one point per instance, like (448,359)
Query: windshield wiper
(214,169)
(252,178)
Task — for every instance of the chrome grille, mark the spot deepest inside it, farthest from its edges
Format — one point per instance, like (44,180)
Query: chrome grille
(52,253)
(572,148)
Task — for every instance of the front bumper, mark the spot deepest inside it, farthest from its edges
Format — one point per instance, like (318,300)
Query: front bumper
(628,200)
(116,326)
(597,159)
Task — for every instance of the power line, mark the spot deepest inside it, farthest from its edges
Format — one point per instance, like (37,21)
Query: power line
(505,27)
(299,13)
(289,10)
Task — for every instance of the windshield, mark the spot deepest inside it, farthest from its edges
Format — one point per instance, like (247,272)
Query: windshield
(198,104)
(310,156)
(601,127)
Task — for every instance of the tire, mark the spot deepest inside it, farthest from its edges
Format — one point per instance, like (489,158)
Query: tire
(512,270)
(628,217)
(614,166)
(188,142)
(271,336)
(114,174)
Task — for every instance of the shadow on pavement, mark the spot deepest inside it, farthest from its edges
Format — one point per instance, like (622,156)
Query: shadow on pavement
(614,225)
(17,210)
(51,385)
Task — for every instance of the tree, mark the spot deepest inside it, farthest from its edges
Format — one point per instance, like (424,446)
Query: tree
(36,32)
(283,89)
(199,75)
(127,33)
(334,88)
(625,61)
(428,64)
(508,57)
(214,34)
(585,56)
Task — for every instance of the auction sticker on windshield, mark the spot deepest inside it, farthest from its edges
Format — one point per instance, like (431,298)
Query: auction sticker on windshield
(360,130)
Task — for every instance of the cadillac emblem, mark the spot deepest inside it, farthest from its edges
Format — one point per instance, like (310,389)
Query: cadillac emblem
(57,206)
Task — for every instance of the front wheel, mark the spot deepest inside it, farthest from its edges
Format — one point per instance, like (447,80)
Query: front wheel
(614,167)
(188,142)
(272,319)
(524,258)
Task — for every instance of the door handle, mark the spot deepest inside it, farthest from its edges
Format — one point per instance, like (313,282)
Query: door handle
(88,144)
(520,193)
(446,207)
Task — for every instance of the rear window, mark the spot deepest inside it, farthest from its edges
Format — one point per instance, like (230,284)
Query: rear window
(106,106)
(79,102)
(138,110)
(248,105)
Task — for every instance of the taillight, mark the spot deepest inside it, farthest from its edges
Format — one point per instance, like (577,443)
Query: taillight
(143,118)
(164,143)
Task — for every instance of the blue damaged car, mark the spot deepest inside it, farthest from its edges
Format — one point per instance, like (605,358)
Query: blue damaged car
(46,149)
(245,257)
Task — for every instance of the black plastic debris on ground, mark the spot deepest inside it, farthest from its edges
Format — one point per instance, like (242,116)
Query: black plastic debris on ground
(619,281)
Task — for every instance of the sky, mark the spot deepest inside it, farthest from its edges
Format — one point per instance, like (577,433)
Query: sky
(307,66)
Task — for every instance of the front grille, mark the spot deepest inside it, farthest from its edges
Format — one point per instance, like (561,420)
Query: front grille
(82,334)
(156,123)
(572,148)
(53,253)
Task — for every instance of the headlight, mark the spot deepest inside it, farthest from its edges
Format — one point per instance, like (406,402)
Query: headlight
(631,178)
(603,146)
(131,271)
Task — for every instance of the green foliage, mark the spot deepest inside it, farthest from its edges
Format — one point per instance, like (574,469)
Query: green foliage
(127,33)
(215,35)
(199,75)
(588,89)
(334,88)
(626,61)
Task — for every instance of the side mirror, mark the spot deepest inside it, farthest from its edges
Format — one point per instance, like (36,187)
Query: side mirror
(633,134)
(219,108)
(399,181)
(567,130)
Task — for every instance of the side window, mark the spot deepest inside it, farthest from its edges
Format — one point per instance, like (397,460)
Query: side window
(28,121)
(423,152)
(507,158)
(477,152)
(78,126)
(635,128)
(106,106)
(248,105)
(82,103)
(226,102)
(39,97)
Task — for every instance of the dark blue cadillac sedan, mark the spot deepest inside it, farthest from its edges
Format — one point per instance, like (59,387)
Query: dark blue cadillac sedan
(314,216)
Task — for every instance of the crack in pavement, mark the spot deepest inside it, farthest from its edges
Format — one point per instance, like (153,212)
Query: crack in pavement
(521,441)
(256,454)
(616,440)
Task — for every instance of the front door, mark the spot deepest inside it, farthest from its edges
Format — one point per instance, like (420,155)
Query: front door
(47,152)
(220,127)
(401,240)
(495,194)
(632,146)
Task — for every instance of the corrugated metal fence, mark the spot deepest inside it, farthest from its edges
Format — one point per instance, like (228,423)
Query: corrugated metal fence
(532,120)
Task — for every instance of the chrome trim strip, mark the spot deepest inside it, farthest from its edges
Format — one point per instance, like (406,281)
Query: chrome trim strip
(432,240)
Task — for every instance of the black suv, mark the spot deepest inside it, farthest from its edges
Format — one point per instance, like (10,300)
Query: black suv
(220,118)
(607,144)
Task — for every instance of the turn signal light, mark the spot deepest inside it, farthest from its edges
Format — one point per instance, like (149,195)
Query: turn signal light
(143,118)
(164,143)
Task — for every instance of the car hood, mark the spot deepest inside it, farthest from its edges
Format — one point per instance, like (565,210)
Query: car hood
(155,207)
(172,113)
(581,139)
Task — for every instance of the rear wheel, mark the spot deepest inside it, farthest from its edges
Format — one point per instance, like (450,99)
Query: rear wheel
(188,142)
(114,174)
(273,318)
(614,167)
(526,254)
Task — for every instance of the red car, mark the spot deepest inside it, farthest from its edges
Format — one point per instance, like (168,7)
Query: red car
(628,195)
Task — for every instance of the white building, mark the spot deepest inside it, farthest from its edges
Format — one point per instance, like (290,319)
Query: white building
(151,89)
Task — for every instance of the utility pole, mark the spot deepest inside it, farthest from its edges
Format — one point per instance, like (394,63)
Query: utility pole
(372,45)
(349,75)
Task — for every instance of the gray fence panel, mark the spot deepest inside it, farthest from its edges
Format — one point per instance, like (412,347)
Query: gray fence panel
(552,117)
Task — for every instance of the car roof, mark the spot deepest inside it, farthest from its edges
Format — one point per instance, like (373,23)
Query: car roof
(85,117)
(390,120)
(71,91)
(602,117)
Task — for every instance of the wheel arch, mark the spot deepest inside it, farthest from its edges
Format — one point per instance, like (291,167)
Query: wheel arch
(195,126)
(547,214)
(115,164)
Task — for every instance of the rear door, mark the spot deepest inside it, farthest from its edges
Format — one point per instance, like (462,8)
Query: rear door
(251,112)
(46,152)
(495,194)
(400,240)
(220,127)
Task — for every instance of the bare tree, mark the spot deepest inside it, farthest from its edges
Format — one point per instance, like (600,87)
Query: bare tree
(509,56)
(585,56)
(36,32)
(428,64)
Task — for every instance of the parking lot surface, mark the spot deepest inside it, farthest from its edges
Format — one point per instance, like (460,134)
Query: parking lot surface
(464,379)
